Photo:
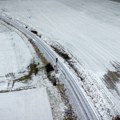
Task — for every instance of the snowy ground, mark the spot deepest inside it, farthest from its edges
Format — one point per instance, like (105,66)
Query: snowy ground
(89,29)
(24,105)
(16,54)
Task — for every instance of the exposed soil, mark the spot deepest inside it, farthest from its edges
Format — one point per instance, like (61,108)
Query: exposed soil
(40,55)
(32,70)
(116,118)
(61,53)
(111,78)
(49,68)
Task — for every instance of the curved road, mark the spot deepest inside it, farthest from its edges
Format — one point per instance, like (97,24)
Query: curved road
(84,109)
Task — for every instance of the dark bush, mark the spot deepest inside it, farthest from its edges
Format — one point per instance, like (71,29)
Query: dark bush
(49,68)
(35,32)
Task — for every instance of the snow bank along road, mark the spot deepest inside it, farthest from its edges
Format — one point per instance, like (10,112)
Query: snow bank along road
(84,109)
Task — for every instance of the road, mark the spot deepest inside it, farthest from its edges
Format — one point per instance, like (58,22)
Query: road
(84,109)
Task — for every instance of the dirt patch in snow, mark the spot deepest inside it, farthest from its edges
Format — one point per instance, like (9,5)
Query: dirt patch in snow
(61,52)
(111,78)
(33,69)
(116,118)
(40,55)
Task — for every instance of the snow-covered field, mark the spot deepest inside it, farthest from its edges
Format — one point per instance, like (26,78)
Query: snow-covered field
(89,29)
(18,101)
(14,53)
(25,105)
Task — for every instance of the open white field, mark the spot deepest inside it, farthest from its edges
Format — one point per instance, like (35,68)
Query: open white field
(25,105)
(89,29)
(15,55)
